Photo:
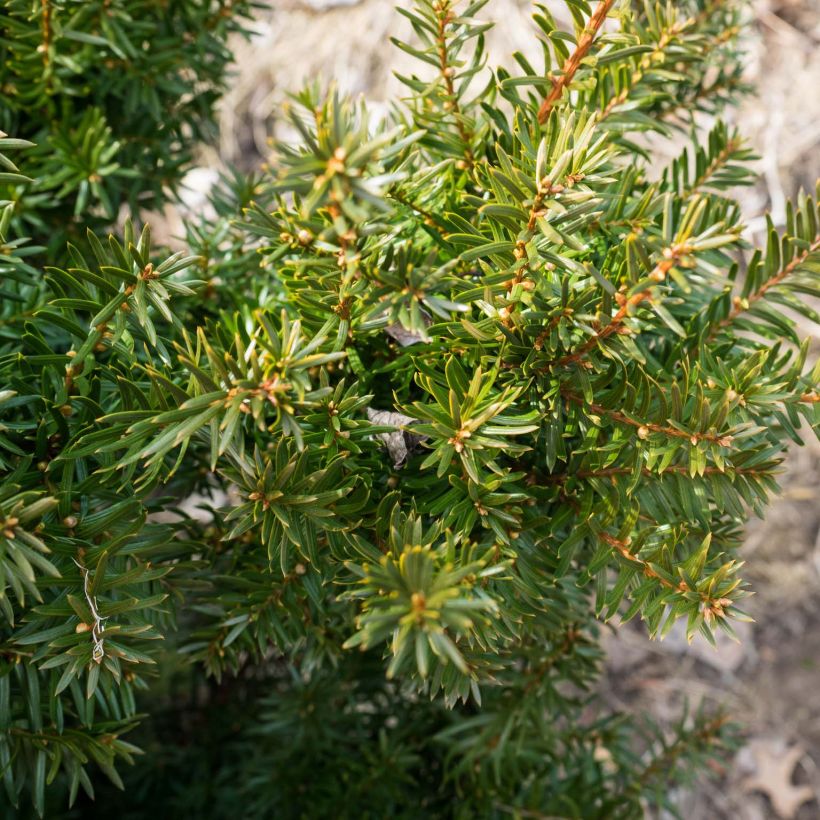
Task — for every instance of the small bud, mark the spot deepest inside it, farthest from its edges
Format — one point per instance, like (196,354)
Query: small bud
(66,410)
(693,440)
(81,627)
(300,569)
(731,395)
(70,521)
(643,432)
(305,237)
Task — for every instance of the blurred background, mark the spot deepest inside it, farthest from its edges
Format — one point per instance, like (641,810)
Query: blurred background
(770,681)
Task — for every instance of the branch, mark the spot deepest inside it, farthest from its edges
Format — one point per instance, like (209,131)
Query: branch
(645,428)
(668,757)
(46,44)
(622,548)
(572,62)
(733,145)
(658,274)
(741,307)
(606,472)
(645,64)
(545,189)
(444,14)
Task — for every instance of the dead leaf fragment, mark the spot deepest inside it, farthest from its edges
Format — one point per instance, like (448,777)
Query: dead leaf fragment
(400,443)
(774,764)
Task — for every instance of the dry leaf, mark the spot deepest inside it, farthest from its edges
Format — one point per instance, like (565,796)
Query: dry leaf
(774,764)
(400,443)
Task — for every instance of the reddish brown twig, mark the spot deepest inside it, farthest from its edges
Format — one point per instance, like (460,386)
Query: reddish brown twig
(615,324)
(572,62)
(622,548)
(741,307)
(645,428)
(607,472)
(444,13)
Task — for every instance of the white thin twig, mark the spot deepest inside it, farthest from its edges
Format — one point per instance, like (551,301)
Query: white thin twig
(98,627)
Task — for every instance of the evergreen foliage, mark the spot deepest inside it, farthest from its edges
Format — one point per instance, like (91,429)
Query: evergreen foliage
(456,388)
(115,94)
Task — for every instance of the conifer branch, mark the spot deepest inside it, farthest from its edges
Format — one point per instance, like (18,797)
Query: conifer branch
(683,469)
(719,161)
(572,63)
(743,305)
(645,427)
(358,493)
(705,735)
(645,64)
(627,305)
(45,45)
(622,548)
(444,15)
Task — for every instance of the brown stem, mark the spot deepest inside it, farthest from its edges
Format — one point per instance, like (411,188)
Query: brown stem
(444,14)
(545,189)
(649,427)
(740,307)
(615,324)
(572,62)
(644,66)
(716,163)
(622,548)
(606,472)
(668,757)
(428,215)
(46,44)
